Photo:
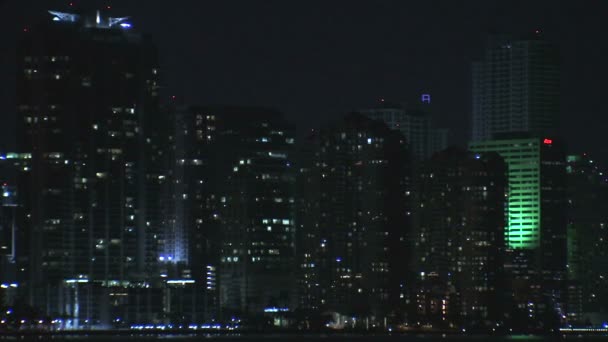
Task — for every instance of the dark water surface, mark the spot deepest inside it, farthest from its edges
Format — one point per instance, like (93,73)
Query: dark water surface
(295,338)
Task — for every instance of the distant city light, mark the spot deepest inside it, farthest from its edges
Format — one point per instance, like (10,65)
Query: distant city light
(547,141)
(181,281)
(125,25)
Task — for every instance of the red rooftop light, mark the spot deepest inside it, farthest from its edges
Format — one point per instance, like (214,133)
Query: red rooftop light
(547,141)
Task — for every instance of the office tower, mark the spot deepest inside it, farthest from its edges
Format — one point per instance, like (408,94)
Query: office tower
(191,248)
(184,157)
(13,242)
(516,87)
(587,240)
(9,235)
(235,193)
(307,219)
(414,121)
(11,238)
(459,252)
(7,225)
(255,198)
(536,220)
(10,166)
(87,96)
(358,243)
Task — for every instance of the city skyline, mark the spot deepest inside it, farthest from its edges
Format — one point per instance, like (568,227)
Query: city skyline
(131,197)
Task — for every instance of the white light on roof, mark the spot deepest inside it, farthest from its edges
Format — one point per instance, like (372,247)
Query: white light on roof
(62,16)
(72,281)
(114,21)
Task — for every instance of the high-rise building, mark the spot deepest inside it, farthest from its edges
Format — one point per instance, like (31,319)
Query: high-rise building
(87,97)
(234,199)
(587,240)
(188,139)
(8,232)
(307,220)
(192,244)
(356,248)
(459,240)
(414,121)
(11,237)
(516,87)
(535,235)
(255,197)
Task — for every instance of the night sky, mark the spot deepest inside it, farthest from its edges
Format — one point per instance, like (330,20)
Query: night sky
(315,60)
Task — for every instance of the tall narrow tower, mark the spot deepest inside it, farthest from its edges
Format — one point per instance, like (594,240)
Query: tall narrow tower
(516,87)
(87,94)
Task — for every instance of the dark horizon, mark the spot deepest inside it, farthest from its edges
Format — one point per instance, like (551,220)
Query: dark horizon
(318,61)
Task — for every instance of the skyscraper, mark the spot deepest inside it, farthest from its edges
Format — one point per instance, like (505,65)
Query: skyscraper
(535,236)
(516,87)
(235,196)
(587,240)
(11,239)
(87,96)
(307,220)
(459,238)
(356,248)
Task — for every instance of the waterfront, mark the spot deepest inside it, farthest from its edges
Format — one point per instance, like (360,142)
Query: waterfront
(303,338)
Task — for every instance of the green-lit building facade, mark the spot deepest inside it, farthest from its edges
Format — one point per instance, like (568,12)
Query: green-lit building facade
(522,157)
(535,234)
